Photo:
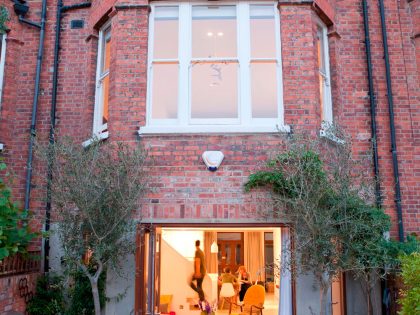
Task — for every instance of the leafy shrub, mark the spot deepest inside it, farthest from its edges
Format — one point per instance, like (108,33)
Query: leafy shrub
(48,298)
(4,17)
(15,233)
(410,300)
(81,299)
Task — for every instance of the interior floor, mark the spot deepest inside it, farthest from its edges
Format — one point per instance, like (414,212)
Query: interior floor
(270,306)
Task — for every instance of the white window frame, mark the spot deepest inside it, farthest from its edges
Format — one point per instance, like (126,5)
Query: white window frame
(100,129)
(327,97)
(184,123)
(2,63)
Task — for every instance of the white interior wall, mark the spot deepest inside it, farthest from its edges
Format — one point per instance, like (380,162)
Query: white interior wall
(184,241)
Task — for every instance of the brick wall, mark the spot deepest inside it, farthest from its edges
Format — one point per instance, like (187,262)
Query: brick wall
(182,188)
(11,289)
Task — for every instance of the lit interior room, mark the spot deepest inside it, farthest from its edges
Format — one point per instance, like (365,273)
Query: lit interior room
(243,253)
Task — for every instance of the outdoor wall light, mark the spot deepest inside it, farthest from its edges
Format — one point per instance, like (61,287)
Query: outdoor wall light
(213,159)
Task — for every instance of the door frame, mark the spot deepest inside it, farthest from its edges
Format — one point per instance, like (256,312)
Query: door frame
(141,248)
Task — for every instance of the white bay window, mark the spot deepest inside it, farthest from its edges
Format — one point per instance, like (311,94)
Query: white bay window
(214,68)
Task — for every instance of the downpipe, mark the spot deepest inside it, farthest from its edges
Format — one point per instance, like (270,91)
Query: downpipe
(372,101)
(59,15)
(32,133)
(392,124)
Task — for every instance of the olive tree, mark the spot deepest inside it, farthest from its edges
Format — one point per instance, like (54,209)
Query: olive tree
(94,192)
(324,195)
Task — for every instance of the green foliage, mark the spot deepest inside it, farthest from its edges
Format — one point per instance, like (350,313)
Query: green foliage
(81,300)
(15,233)
(324,195)
(48,299)
(4,17)
(411,277)
(95,190)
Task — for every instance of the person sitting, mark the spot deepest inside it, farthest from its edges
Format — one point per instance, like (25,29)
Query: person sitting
(244,281)
(228,277)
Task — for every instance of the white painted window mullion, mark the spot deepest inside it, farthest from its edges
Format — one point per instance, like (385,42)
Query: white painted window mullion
(279,68)
(97,116)
(328,114)
(150,60)
(244,44)
(184,63)
(2,62)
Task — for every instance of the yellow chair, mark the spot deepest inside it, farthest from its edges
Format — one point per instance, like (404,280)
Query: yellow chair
(253,302)
(165,303)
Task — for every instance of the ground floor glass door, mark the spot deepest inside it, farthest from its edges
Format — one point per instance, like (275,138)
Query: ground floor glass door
(147,270)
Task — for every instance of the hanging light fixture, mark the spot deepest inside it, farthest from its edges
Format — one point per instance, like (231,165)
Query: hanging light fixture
(214,248)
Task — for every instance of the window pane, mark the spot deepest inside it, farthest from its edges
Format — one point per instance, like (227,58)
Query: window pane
(214,90)
(165,91)
(320,50)
(213,31)
(264,90)
(263,36)
(105,98)
(321,95)
(106,54)
(166,33)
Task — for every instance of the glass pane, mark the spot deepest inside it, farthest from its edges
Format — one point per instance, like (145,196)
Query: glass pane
(238,254)
(320,50)
(165,42)
(264,90)
(165,91)
(105,96)
(229,236)
(106,54)
(263,35)
(228,254)
(214,90)
(321,95)
(213,31)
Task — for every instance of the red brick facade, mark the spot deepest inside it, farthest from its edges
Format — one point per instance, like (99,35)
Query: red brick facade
(182,187)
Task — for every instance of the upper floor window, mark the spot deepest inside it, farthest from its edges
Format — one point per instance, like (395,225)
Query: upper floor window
(100,120)
(214,68)
(2,61)
(324,75)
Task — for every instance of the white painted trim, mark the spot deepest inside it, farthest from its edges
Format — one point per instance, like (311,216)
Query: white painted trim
(327,97)
(184,120)
(2,62)
(174,129)
(99,137)
(330,136)
(98,126)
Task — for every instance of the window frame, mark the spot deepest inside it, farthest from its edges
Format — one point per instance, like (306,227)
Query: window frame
(326,98)
(184,123)
(99,128)
(2,64)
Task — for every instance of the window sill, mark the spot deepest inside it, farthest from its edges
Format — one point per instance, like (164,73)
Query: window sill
(330,136)
(97,137)
(200,129)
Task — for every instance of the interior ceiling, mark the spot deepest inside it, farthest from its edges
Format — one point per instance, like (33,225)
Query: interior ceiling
(218,229)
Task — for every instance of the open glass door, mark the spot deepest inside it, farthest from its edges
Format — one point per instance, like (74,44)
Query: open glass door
(337,295)
(147,270)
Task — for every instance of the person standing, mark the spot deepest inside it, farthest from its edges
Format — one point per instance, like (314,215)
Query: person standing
(199,271)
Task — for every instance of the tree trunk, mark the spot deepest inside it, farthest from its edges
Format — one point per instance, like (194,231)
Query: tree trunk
(323,300)
(95,294)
